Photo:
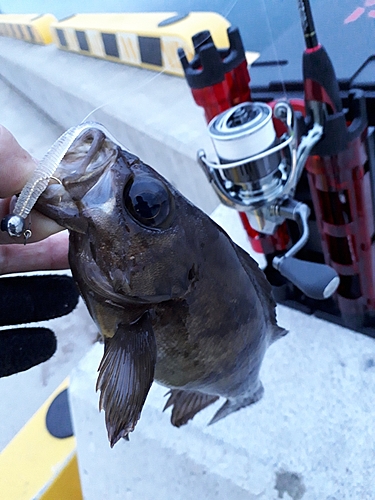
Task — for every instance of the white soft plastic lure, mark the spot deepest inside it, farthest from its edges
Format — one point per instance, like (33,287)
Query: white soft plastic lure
(14,223)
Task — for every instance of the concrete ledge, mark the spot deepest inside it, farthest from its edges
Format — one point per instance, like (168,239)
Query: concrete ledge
(37,464)
(152,114)
(311,437)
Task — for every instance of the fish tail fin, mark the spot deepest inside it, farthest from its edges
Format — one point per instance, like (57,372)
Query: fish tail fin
(235,404)
(186,404)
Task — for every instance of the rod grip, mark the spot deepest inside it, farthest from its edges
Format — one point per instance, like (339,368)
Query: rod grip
(317,281)
(320,82)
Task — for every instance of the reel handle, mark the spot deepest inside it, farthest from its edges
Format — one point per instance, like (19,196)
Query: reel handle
(318,281)
(315,280)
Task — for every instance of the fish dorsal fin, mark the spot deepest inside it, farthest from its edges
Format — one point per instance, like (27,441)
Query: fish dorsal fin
(186,404)
(126,373)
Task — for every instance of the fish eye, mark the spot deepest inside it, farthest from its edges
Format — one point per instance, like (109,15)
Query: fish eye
(148,201)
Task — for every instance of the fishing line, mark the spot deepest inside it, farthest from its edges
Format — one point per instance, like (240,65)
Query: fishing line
(46,168)
(229,9)
(225,12)
(113,80)
(274,48)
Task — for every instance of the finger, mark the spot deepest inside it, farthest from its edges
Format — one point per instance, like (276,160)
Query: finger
(51,253)
(22,348)
(29,299)
(16,165)
(16,168)
(40,225)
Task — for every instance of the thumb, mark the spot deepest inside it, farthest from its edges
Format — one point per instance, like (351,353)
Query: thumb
(16,164)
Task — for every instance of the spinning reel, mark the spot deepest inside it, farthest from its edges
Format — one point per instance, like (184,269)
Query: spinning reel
(258,173)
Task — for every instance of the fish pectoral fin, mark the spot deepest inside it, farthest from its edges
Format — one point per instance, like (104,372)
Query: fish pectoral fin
(126,373)
(186,404)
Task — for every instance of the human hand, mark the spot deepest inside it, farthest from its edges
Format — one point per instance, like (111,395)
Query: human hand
(33,298)
(16,167)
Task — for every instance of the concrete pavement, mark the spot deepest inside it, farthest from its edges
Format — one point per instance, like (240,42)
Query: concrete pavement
(311,437)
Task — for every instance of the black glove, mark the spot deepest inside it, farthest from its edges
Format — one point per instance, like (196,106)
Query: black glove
(25,299)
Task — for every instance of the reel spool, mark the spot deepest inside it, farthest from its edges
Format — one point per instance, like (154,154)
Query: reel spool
(258,172)
(254,164)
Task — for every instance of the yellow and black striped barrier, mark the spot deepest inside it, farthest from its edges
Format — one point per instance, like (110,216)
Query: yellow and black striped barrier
(148,40)
(32,28)
(41,461)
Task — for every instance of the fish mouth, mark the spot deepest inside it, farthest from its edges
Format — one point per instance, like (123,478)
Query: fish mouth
(91,155)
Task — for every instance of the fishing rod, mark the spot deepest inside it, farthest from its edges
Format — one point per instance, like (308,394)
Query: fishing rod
(265,149)
(339,171)
(219,79)
(322,92)
(259,166)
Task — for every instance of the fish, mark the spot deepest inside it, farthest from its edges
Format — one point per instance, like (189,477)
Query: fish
(175,299)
